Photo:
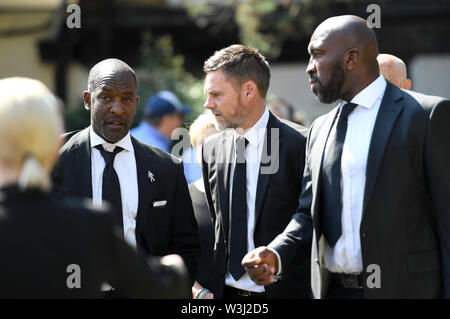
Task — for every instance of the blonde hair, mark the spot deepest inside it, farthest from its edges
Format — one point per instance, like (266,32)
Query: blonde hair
(30,130)
(203,126)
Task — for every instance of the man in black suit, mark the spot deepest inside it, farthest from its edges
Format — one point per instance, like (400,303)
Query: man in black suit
(251,184)
(374,204)
(146,186)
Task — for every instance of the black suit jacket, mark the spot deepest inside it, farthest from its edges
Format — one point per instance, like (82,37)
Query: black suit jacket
(40,238)
(159,230)
(278,188)
(406,207)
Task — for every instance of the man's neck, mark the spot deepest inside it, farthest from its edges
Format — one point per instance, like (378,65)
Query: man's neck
(253,117)
(360,84)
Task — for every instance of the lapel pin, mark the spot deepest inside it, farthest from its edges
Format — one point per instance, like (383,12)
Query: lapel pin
(151,176)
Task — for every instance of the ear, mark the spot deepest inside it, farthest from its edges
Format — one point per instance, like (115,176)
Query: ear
(248,90)
(406,84)
(87,100)
(351,59)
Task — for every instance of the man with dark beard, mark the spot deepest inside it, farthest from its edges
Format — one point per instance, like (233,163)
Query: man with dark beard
(374,211)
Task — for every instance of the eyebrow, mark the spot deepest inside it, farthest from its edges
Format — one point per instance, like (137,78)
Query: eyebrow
(211,91)
(105,88)
(314,48)
(127,91)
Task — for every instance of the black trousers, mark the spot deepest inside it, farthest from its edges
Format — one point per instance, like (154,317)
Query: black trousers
(237,294)
(337,291)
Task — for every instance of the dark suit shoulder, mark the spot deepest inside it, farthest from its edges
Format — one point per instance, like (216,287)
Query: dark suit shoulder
(212,142)
(156,152)
(74,138)
(425,99)
(67,136)
(320,120)
(213,139)
(426,102)
(293,129)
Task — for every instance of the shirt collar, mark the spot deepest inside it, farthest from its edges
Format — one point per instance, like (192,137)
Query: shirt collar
(370,94)
(255,135)
(125,142)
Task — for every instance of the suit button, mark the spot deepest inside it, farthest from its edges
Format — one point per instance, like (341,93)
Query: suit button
(364,235)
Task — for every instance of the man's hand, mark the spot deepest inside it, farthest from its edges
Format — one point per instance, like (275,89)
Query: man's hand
(261,265)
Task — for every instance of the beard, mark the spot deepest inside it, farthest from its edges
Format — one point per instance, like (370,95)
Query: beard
(236,121)
(332,91)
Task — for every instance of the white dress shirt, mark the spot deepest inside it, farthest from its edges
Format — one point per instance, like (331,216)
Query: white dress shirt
(346,256)
(255,137)
(125,167)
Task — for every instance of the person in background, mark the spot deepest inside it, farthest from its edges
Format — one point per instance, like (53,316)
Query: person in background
(192,169)
(394,70)
(200,129)
(282,109)
(163,113)
(54,248)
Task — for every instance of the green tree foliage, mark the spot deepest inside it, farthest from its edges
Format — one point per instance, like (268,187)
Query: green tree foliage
(76,118)
(264,24)
(162,69)
(267,24)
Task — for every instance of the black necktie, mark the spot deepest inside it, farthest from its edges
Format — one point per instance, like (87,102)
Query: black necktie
(330,215)
(110,184)
(238,241)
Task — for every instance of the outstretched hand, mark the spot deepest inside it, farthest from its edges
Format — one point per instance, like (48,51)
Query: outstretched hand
(261,264)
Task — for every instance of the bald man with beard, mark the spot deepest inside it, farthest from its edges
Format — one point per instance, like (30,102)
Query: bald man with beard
(374,211)
(394,70)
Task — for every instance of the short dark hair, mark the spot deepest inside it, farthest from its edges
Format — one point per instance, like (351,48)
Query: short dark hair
(241,63)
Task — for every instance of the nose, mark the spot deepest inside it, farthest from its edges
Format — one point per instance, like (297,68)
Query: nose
(311,68)
(117,107)
(209,105)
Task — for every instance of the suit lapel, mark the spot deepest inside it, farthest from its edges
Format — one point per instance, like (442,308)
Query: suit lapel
(388,113)
(317,162)
(269,162)
(225,157)
(82,157)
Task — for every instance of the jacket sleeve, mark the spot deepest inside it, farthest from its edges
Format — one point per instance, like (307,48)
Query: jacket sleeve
(294,244)
(133,276)
(185,238)
(437,159)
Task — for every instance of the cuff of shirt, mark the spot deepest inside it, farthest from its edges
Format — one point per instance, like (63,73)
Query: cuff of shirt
(277,276)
